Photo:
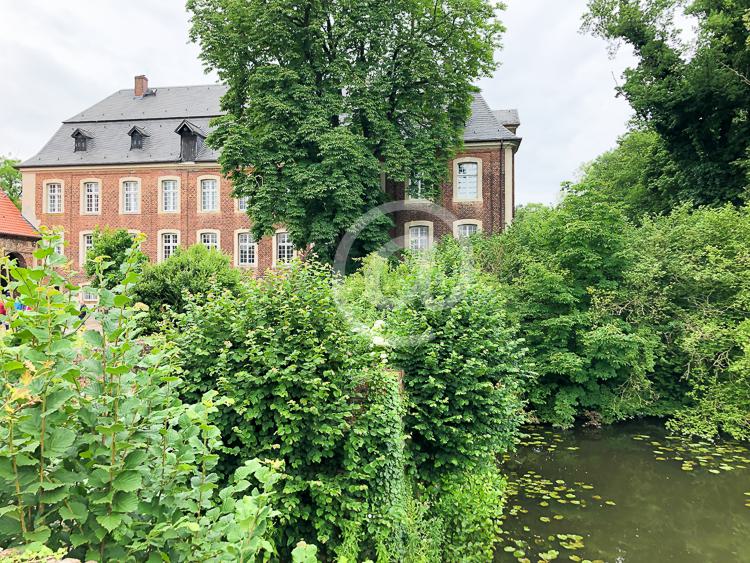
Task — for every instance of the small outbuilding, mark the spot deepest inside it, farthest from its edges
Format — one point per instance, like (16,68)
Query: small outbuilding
(17,236)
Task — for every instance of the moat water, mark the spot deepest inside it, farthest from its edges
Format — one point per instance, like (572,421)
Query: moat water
(629,493)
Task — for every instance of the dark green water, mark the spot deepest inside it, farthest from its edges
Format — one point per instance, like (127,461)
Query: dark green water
(628,493)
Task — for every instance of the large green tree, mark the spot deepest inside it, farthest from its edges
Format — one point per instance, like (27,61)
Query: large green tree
(10,179)
(326,96)
(693,92)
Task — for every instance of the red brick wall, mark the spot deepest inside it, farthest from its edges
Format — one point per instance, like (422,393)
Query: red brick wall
(149,221)
(490,210)
(189,221)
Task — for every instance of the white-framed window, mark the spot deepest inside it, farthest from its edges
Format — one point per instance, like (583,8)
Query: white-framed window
(464,228)
(54,197)
(209,239)
(247,250)
(89,295)
(131,196)
(467,179)
(283,248)
(415,190)
(170,196)
(418,235)
(242,204)
(87,243)
(91,197)
(168,244)
(60,247)
(209,195)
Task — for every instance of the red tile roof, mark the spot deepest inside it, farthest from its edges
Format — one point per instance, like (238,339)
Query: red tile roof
(12,223)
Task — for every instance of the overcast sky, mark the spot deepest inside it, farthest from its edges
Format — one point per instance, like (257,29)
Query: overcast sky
(58,58)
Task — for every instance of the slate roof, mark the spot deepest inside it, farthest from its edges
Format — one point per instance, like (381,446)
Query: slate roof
(12,223)
(108,123)
(507,117)
(484,126)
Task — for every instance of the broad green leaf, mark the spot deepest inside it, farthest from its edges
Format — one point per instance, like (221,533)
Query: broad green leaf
(127,481)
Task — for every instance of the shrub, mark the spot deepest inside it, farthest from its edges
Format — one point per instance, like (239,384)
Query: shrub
(463,364)
(98,456)
(445,325)
(554,263)
(115,247)
(195,271)
(469,506)
(691,285)
(309,392)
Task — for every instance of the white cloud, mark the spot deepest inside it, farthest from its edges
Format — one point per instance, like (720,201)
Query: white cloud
(61,57)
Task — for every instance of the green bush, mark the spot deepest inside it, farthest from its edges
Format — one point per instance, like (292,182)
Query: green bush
(308,391)
(463,365)
(624,320)
(114,248)
(469,506)
(442,322)
(195,271)
(554,263)
(691,285)
(98,456)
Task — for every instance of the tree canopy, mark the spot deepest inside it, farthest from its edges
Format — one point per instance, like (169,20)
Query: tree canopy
(10,179)
(325,98)
(693,93)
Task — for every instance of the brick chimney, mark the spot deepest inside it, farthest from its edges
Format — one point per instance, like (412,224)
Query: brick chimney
(141,85)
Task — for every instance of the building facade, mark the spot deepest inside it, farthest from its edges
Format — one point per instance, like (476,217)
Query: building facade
(17,237)
(137,160)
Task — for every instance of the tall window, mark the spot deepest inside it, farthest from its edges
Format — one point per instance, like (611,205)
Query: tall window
(87,243)
(419,238)
(168,244)
(91,197)
(465,230)
(416,189)
(131,197)
(209,195)
(210,240)
(54,198)
(468,180)
(170,196)
(284,248)
(246,250)
(242,204)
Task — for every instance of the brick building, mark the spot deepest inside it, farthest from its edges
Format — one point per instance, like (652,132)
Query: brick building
(17,236)
(137,160)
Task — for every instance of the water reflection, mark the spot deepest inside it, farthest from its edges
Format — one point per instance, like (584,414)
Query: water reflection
(628,493)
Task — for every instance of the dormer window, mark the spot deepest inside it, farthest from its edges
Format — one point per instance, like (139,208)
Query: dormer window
(137,136)
(81,137)
(191,140)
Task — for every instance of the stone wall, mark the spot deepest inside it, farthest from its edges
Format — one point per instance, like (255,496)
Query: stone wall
(17,245)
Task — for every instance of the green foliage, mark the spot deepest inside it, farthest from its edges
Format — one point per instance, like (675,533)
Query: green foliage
(113,247)
(98,456)
(193,271)
(693,94)
(554,262)
(307,391)
(463,363)
(691,285)
(324,97)
(625,320)
(470,505)
(639,175)
(10,179)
